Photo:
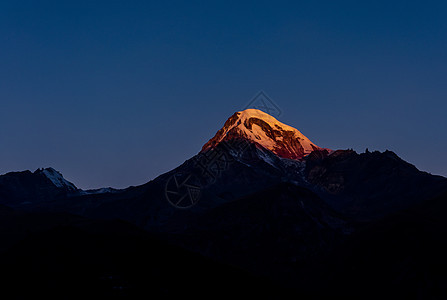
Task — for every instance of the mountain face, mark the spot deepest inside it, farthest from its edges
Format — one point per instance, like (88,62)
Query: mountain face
(252,153)
(259,195)
(257,127)
(280,225)
(369,185)
(26,187)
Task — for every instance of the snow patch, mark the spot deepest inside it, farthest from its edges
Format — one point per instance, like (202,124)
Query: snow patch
(268,159)
(99,191)
(57,179)
(259,136)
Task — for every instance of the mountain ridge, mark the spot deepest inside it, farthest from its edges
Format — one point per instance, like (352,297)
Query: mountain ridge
(273,213)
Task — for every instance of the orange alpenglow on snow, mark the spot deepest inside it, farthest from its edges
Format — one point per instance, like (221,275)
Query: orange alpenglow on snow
(264,130)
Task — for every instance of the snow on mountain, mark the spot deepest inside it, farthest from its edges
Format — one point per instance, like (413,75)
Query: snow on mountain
(57,179)
(259,127)
(107,190)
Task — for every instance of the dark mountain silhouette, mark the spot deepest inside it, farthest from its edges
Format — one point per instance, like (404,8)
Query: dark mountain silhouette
(369,185)
(401,256)
(22,188)
(63,256)
(259,196)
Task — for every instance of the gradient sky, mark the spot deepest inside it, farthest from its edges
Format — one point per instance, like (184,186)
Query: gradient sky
(114,93)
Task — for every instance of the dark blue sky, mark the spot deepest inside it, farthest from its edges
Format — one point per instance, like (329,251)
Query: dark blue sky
(113,93)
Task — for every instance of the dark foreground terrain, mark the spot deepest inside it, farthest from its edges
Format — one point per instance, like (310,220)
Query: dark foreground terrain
(62,256)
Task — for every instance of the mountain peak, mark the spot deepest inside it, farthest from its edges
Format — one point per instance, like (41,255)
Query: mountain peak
(258,127)
(56,178)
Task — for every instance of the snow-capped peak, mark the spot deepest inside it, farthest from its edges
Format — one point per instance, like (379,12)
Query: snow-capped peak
(57,179)
(261,128)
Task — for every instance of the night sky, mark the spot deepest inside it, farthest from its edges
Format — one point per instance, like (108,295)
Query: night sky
(114,93)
